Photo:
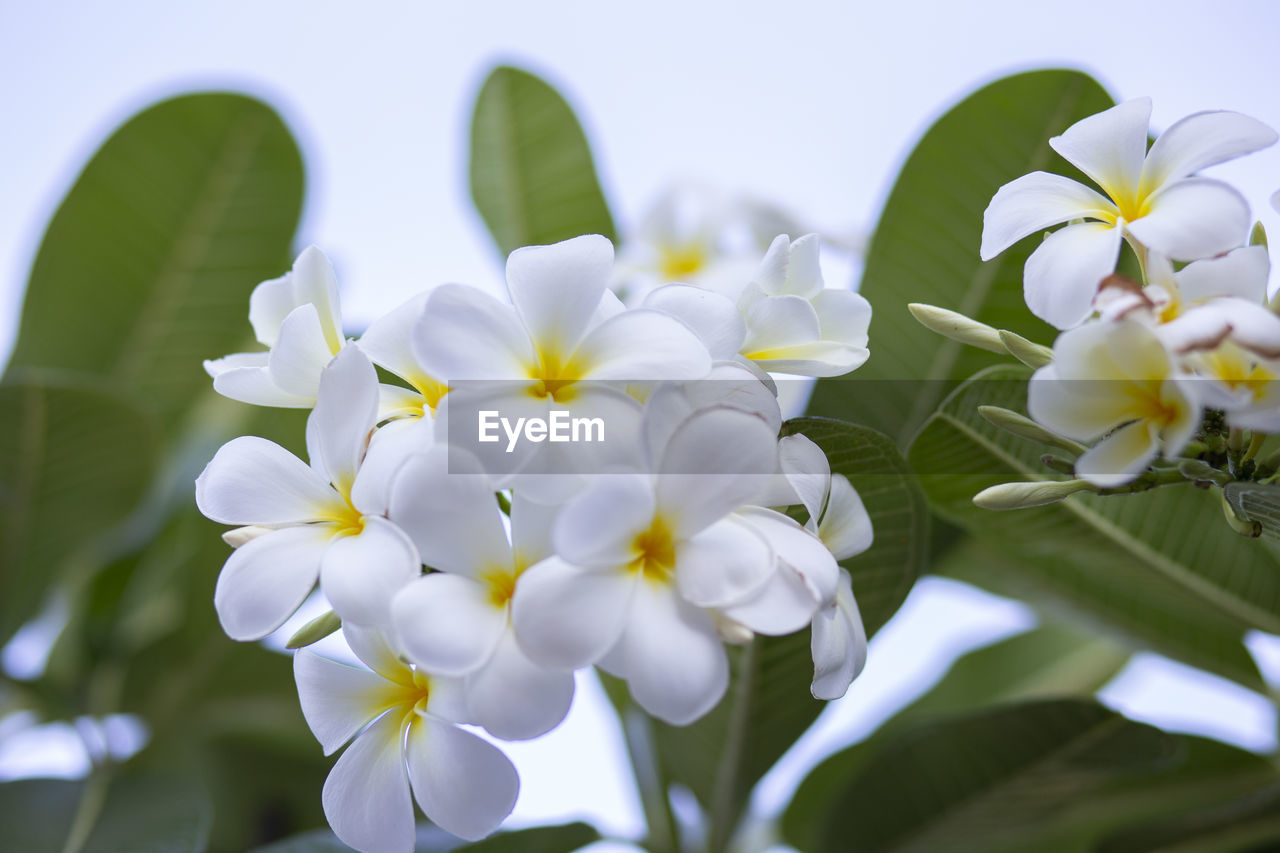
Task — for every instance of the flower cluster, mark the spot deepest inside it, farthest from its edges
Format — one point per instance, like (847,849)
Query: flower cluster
(1180,360)
(474,566)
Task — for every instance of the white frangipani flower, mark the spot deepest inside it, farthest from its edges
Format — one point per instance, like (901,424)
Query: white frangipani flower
(643,560)
(794,323)
(407,742)
(1116,379)
(325,520)
(563,338)
(457,621)
(1151,198)
(298,318)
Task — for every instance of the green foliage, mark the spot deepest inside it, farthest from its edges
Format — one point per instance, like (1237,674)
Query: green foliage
(925,247)
(722,756)
(1251,822)
(74,462)
(1158,569)
(147,266)
(994,776)
(123,814)
(1049,661)
(532,176)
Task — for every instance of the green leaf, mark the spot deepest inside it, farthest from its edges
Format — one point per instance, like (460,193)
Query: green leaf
(564,838)
(135,814)
(532,177)
(147,266)
(925,248)
(1251,822)
(993,776)
(1258,502)
(768,705)
(1052,660)
(74,462)
(1158,569)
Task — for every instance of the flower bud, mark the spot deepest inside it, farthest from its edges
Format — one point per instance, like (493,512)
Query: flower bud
(315,630)
(1023,427)
(957,327)
(1023,495)
(1029,353)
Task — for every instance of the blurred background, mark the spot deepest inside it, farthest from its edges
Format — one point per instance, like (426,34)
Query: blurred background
(812,106)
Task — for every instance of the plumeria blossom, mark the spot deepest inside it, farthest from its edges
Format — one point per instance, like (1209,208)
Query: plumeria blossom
(839,519)
(1116,379)
(298,318)
(565,342)
(646,563)
(324,520)
(404,721)
(1152,198)
(457,621)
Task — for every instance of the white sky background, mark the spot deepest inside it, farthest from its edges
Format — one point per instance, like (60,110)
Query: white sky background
(813,106)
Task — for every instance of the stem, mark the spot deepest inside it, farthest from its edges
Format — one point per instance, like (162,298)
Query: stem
(663,836)
(728,771)
(89,809)
(1255,444)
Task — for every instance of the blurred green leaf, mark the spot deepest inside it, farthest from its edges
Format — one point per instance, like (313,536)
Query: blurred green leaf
(136,814)
(74,463)
(1052,660)
(1159,569)
(532,177)
(1251,822)
(992,776)
(925,248)
(564,838)
(768,705)
(147,266)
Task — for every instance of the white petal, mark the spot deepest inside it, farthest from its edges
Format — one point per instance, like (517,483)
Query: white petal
(1241,272)
(642,344)
(816,358)
(566,617)
(360,574)
(1109,146)
(724,564)
(447,624)
(390,449)
(366,795)
(838,644)
(339,700)
(373,647)
(804,271)
(779,321)
(265,580)
(531,526)
(345,413)
(716,461)
(1062,275)
(807,472)
(785,605)
(1033,203)
(712,317)
(315,282)
(556,289)
(515,698)
(254,481)
(798,548)
(465,333)
(463,784)
(449,509)
(598,528)
(843,316)
(1082,409)
(270,302)
(1200,140)
(671,656)
(217,366)
(300,354)
(387,340)
(846,526)
(253,385)
(1193,218)
(1119,457)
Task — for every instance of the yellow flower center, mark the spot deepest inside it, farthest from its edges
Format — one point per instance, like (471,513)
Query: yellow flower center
(655,553)
(679,262)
